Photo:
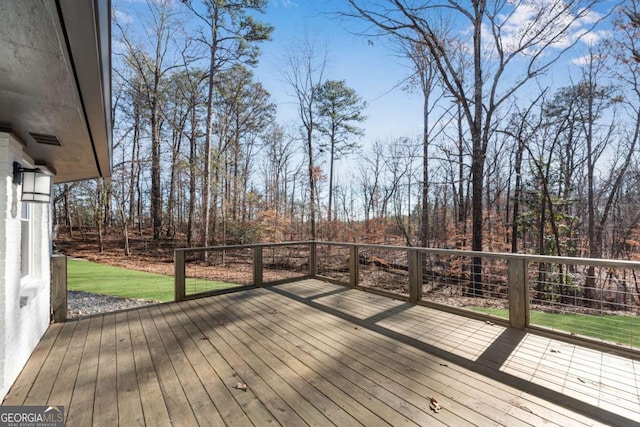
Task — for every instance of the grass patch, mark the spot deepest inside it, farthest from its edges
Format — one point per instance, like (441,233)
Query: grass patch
(115,281)
(621,330)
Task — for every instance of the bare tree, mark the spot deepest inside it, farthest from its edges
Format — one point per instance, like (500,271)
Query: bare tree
(246,109)
(152,66)
(231,37)
(304,76)
(498,45)
(426,79)
(624,67)
(277,168)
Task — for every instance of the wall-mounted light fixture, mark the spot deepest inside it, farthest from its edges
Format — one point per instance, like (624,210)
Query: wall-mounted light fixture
(36,184)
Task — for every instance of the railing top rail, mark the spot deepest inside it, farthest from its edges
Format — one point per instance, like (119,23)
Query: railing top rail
(247,246)
(435,251)
(598,262)
(500,255)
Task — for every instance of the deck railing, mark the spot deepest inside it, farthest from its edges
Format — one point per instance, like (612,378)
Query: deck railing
(591,300)
(210,270)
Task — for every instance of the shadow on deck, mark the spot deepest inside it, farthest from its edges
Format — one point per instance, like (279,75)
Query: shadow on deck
(311,352)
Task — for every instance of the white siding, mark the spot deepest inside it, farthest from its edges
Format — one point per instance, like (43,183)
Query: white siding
(20,327)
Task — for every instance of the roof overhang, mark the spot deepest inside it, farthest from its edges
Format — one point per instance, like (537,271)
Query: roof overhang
(55,83)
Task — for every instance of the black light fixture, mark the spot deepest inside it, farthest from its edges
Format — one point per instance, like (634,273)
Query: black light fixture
(36,184)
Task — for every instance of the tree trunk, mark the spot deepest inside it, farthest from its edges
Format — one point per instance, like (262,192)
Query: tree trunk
(192,176)
(517,193)
(479,143)
(156,194)
(312,185)
(206,180)
(424,229)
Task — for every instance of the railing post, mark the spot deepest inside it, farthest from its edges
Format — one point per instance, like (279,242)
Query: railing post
(59,288)
(179,275)
(354,265)
(518,292)
(257,266)
(415,275)
(313,260)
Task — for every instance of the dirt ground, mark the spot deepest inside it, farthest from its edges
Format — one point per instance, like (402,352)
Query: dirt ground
(157,257)
(146,255)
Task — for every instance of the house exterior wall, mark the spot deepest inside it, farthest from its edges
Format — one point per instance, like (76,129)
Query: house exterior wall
(24,293)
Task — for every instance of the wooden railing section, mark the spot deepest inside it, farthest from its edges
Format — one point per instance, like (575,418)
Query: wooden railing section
(258,265)
(424,275)
(58,265)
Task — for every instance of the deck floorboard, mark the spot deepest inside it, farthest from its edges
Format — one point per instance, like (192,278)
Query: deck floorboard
(315,353)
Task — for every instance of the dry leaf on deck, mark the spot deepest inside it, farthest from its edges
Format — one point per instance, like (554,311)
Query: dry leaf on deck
(434,405)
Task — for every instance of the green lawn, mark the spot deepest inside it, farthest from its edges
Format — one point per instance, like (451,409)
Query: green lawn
(624,330)
(107,280)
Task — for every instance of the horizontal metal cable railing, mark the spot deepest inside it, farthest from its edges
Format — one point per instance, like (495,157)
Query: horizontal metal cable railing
(204,271)
(589,299)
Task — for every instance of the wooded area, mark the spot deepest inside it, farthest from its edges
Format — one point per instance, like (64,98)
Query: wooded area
(506,162)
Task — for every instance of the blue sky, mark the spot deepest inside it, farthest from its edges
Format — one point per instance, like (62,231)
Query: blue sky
(368,66)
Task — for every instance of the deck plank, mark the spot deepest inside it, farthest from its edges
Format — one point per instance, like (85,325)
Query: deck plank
(314,353)
(387,369)
(284,365)
(151,397)
(330,369)
(287,348)
(44,382)
(18,393)
(557,413)
(244,372)
(200,403)
(105,406)
(80,412)
(175,399)
(66,377)
(215,374)
(129,401)
(284,389)
(236,408)
(228,409)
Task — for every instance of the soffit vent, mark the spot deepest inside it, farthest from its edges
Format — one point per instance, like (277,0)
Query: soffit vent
(41,138)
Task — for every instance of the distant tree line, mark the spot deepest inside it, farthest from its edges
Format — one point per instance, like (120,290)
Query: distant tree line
(506,160)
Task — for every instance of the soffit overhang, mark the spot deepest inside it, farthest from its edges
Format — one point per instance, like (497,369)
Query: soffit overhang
(55,83)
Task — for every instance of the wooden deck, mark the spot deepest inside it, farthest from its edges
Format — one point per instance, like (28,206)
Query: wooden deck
(313,353)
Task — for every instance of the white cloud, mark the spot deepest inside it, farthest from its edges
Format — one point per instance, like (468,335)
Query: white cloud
(580,61)
(594,37)
(285,3)
(122,17)
(533,22)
